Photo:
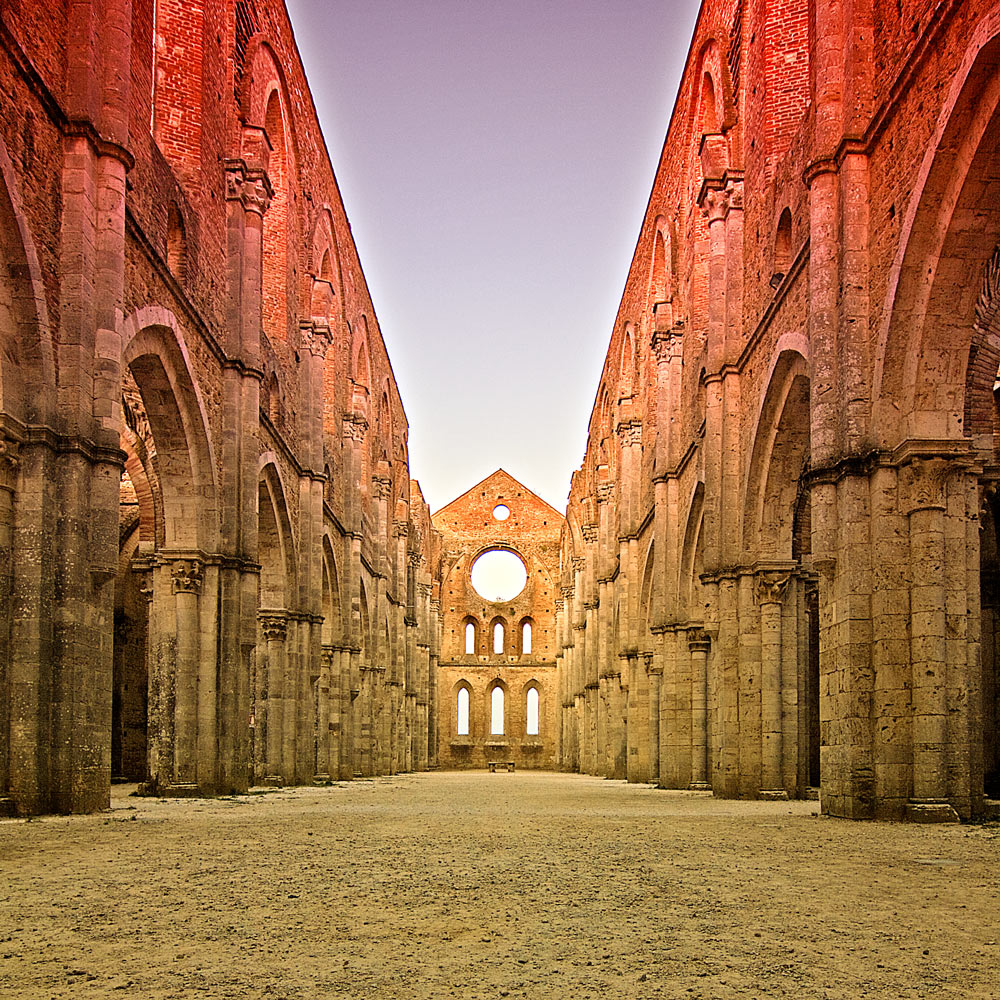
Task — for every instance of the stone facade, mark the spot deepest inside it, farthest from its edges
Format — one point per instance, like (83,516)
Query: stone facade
(215,569)
(779,564)
(506,646)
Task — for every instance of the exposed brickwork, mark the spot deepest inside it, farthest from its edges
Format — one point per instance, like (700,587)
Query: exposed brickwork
(764,592)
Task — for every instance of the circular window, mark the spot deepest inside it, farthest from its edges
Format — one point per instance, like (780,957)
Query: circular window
(501,512)
(499,575)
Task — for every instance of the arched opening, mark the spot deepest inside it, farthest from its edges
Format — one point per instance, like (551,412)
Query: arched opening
(470,637)
(497,711)
(462,710)
(709,110)
(498,575)
(273,400)
(531,712)
(498,637)
(782,248)
(274,316)
(526,637)
(176,243)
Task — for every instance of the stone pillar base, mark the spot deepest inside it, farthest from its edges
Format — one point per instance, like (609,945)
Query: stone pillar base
(7,807)
(182,790)
(773,795)
(321,779)
(699,786)
(271,781)
(930,811)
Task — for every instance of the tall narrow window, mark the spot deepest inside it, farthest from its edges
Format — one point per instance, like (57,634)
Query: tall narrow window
(532,724)
(462,726)
(526,638)
(496,712)
(470,638)
(498,638)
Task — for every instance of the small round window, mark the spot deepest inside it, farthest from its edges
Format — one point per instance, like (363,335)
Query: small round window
(501,512)
(498,575)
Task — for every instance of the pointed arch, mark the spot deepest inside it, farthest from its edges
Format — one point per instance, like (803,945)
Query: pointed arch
(276,545)
(779,455)
(948,230)
(156,356)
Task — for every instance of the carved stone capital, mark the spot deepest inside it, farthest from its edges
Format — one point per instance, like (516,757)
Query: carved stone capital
(734,190)
(667,345)
(315,339)
(274,626)
(400,529)
(327,654)
(187,575)
(381,487)
(589,532)
(605,493)
(715,205)
(699,641)
(771,588)
(355,427)
(925,483)
(10,458)
(630,434)
(579,562)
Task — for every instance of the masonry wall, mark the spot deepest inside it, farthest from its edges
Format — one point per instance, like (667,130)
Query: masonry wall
(477,658)
(770,582)
(217,570)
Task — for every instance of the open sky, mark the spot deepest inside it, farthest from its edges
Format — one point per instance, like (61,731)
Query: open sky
(495,158)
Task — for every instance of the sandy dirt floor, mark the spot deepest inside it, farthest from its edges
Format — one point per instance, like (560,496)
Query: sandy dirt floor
(506,885)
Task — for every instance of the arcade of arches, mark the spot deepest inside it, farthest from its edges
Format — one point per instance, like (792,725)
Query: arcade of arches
(778,570)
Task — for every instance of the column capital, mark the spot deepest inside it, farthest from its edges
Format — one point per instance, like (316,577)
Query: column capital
(699,641)
(187,575)
(770,587)
(667,344)
(355,427)
(925,483)
(274,625)
(630,434)
(315,339)
(10,459)
(381,487)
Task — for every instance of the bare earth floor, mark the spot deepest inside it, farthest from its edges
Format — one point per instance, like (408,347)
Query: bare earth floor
(505,885)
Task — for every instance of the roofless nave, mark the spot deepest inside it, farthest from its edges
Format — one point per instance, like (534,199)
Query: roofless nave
(778,565)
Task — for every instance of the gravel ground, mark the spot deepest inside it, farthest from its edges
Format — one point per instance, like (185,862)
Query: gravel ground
(506,885)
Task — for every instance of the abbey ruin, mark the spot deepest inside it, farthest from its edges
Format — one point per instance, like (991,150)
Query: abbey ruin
(777,573)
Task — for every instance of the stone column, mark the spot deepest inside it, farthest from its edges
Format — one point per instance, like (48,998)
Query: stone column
(926,483)
(770,596)
(275,629)
(654,673)
(699,643)
(322,686)
(187,578)
(8,481)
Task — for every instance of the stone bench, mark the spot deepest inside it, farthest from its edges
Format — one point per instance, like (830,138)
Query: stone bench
(507,765)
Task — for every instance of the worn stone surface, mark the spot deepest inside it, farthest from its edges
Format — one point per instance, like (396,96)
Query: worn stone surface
(779,565)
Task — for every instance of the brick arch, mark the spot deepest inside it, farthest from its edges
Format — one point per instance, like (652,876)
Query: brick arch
(949,234)
(333,621)
(27,366)
(779,455)
(276,544)
(646,596)
(157,357)
(322,285)
(691,549)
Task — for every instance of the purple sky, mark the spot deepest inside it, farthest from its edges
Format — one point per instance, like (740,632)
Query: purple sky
(495,158)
